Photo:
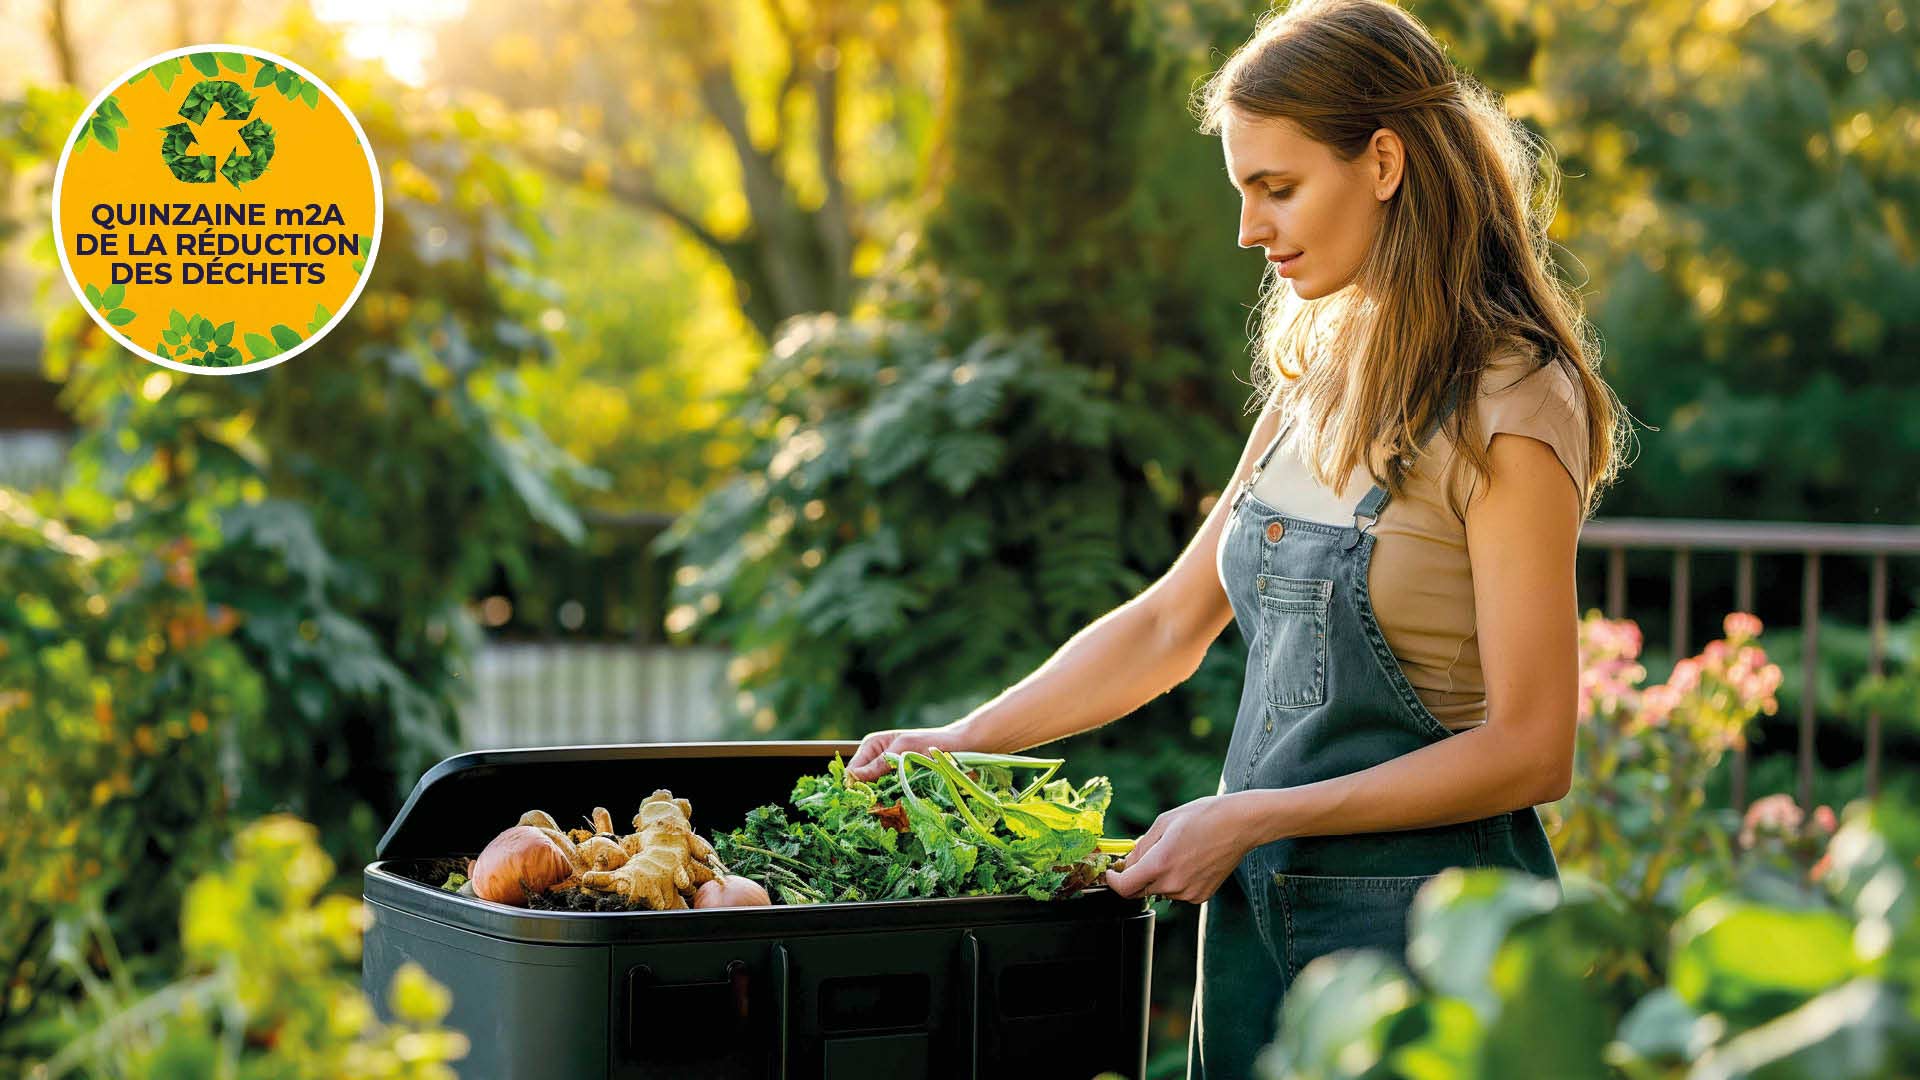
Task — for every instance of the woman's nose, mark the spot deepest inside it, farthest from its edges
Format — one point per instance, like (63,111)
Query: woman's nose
(1252,232)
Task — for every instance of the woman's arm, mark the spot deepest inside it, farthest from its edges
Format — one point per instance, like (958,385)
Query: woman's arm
(1521,540)
(1132,654)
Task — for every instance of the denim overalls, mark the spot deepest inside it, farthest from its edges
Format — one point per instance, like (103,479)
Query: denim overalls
(1324,697)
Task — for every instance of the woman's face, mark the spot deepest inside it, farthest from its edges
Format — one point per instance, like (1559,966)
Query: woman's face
(1298,199)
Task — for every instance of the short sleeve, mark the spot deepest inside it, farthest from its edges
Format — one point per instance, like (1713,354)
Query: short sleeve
(1543,404)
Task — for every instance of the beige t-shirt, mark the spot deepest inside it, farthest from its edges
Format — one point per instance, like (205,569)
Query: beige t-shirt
(1420,580)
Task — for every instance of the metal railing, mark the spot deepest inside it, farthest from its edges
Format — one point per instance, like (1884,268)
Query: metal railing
(1745,539)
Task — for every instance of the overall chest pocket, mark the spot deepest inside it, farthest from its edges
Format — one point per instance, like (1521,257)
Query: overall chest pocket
(1293,639)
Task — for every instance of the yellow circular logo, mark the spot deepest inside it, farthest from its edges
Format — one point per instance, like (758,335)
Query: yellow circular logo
(217,209)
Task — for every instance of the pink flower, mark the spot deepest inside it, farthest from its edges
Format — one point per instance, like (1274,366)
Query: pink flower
(1609,639)
(1657,704)
(1823,819)
(1686,676)
(1741,625)
(1770,813)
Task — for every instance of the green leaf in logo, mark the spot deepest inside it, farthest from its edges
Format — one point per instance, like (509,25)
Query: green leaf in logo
(286,336)
(113,295)
(206,64)
(235,104)
(260,347)
(120,316)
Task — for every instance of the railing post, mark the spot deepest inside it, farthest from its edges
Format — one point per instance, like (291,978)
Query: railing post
(1616,582)
(1809,669)
(1742,601)
(1680,587)
(1876,643)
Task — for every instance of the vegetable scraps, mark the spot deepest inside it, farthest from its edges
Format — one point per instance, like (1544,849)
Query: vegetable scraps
(663,865)
(939,824)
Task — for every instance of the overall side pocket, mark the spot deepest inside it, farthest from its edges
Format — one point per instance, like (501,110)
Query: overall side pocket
(1322,913)
(1293,632)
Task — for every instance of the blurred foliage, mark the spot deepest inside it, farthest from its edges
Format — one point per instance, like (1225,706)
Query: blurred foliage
(1790,973)
(740,122)
(348,505)
(641,359)
(1748,205)
(269,986)
(724,166)
(119,680)
(250,596)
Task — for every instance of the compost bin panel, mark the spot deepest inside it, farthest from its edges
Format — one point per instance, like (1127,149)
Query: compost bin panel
(528,1010)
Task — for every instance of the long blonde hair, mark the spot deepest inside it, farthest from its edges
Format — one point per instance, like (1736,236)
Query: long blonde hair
(1460,271)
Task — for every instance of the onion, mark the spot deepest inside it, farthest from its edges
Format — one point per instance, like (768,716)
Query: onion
(731,891)
(519,860)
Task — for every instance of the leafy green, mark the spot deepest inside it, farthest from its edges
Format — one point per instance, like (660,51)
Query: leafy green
(937,825)
(104,125)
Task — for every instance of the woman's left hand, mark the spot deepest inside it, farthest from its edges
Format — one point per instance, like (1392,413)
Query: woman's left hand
(1188,852)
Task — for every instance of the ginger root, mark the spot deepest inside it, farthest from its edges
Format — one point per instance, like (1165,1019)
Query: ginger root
(604,853)
(671,863)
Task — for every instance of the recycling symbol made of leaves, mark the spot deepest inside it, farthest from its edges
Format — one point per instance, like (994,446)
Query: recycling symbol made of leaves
(235,104)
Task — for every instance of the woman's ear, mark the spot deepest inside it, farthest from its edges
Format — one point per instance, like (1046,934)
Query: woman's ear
(1388,158)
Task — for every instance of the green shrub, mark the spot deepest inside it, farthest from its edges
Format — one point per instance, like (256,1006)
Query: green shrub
(1501,980)
(120,681)
(269,985)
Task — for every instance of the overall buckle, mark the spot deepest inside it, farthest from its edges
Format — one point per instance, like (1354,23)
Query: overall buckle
(1358,530)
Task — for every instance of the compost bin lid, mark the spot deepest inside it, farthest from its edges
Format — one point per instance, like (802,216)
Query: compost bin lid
(468,799)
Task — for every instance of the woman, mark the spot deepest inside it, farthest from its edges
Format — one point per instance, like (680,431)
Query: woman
(1373,748)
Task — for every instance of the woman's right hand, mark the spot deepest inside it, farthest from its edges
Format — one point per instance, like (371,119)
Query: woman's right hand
(870,762)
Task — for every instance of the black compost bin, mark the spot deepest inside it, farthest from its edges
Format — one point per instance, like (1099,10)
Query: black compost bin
(893,990)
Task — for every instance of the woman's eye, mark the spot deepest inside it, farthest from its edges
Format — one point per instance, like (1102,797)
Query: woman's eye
(1279,193)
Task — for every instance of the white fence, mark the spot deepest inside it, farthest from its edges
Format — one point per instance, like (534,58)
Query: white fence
(561,693)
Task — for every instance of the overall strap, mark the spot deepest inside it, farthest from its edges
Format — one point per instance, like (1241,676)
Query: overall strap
(1260,466)
(1375,501)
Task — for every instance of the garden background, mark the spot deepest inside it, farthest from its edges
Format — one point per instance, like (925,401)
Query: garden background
(862,353)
